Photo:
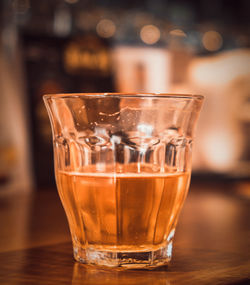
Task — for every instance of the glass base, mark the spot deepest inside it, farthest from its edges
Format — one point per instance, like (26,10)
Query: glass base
(125,259)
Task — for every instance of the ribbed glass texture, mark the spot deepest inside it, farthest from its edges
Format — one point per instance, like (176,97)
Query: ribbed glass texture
(123,166)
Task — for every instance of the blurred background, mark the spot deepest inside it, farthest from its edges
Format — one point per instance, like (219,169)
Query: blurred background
(53,46)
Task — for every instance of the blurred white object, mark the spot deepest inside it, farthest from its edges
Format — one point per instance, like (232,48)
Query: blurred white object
(143,69)
(62,21)
(224,80)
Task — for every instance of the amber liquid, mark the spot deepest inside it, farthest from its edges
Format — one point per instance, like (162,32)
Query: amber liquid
(122,211)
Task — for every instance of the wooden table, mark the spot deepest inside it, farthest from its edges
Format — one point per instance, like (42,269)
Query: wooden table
(212,244)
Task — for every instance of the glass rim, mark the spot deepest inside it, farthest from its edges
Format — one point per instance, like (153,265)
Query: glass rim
(124,95)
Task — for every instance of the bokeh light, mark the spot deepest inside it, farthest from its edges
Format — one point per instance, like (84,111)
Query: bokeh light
(105,28)
(150,34)
(212,41)
(178,33)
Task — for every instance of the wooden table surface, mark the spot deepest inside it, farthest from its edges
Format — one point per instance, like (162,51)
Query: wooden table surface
(212,243)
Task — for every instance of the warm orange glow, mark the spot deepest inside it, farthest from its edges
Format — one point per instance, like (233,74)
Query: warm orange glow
(76,58)
(106,28)
(212,41)
(178,33)
(78,189)
(150,34)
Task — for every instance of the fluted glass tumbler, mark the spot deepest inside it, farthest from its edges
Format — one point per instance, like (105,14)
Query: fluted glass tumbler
(122,167)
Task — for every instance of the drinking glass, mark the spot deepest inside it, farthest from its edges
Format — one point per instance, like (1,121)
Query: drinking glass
(122,167)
